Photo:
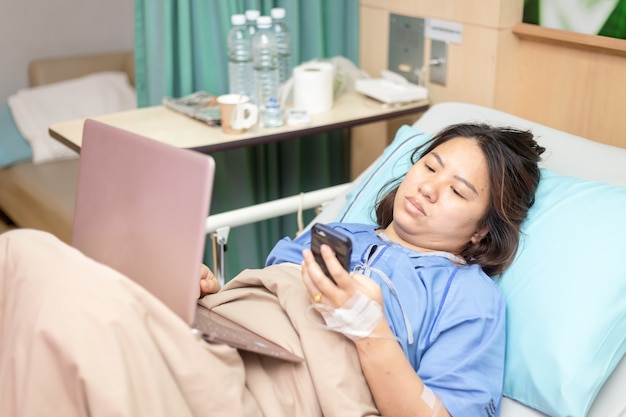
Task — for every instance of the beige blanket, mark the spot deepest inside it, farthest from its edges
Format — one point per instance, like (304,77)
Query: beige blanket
(79,339)
(273,302)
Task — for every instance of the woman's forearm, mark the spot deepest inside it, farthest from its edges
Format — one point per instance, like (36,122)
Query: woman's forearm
(397,389)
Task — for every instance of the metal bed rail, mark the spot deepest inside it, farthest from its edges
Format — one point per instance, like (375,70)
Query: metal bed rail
(218,225)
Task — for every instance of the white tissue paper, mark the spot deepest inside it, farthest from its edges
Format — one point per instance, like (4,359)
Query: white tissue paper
(313,87)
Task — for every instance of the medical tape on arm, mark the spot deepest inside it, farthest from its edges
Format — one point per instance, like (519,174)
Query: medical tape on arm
(356,319)
(431,400)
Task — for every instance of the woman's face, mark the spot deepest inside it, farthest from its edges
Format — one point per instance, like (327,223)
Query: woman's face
(443,199)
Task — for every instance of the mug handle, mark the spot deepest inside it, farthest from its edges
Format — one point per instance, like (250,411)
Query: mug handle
(244,116)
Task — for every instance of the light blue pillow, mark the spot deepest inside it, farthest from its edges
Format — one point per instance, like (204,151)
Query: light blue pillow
(394,163)
(566,296)
(13,147)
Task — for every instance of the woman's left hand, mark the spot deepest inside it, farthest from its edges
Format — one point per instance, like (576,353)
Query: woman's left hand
(323,290)
(208,281)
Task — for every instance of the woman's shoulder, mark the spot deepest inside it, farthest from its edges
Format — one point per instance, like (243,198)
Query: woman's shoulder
(473,283)
(472,275)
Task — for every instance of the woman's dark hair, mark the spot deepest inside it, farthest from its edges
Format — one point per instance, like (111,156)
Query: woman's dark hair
(512,156)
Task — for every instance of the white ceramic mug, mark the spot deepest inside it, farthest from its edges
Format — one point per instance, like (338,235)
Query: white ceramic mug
(237,113)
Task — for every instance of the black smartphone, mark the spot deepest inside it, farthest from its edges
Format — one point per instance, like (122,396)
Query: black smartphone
(341,244)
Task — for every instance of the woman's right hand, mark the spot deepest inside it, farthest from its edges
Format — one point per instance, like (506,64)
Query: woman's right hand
(208,281)
(320,286)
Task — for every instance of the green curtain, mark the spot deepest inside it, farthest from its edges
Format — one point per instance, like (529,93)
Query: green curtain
(180,47)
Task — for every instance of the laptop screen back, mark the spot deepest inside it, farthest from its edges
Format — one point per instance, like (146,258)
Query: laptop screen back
(141,208)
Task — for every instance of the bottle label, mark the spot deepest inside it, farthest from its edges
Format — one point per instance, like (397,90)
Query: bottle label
(272,104)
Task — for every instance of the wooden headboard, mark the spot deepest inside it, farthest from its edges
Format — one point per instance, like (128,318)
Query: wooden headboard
(49,70)
(573,82)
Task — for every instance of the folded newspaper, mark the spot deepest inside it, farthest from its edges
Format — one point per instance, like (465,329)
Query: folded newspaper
(199,105)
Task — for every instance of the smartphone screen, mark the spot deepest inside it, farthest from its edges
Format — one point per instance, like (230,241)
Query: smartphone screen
(341,244)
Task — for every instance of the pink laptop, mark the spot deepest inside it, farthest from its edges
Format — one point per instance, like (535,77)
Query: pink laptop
(141,208)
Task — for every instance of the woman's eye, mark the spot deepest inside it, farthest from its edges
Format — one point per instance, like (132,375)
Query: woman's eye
(455,191)
(428,167)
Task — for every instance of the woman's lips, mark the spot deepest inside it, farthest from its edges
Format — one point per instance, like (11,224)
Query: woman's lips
(414,206)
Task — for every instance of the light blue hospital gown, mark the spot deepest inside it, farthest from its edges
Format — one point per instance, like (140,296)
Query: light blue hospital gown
(450,319)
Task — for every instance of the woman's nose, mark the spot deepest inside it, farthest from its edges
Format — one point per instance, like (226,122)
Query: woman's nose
(429,190)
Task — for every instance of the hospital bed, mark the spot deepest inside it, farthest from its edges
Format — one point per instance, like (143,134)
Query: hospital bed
(566,290)
(38,190)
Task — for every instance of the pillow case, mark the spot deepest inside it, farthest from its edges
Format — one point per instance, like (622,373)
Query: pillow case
(13,147)
(566,296)
(35,109)
(393,163)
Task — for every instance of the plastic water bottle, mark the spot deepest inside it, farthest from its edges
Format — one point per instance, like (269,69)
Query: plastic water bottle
(266,74)
(251,17)
(283,44)
(240,78)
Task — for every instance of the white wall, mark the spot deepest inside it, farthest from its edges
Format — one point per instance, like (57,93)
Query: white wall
(31,29)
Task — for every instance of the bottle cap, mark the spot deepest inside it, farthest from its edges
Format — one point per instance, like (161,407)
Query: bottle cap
(278,13)
(264,22)
(237,19)
(252,15)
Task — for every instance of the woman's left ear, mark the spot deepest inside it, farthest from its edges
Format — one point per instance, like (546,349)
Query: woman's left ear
(479,235)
